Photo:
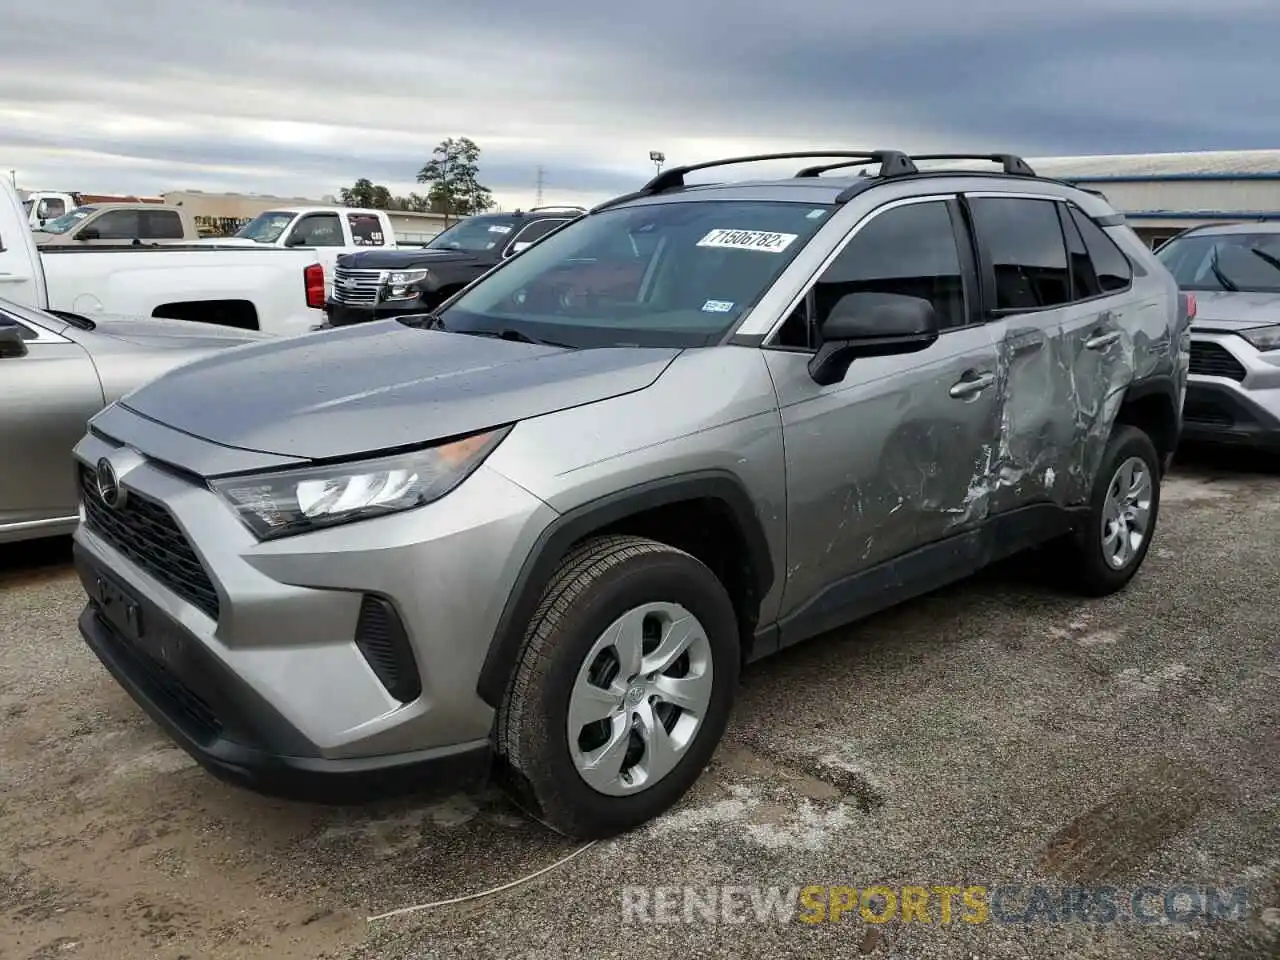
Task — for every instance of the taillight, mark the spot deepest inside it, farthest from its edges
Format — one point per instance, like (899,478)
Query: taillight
(313,279)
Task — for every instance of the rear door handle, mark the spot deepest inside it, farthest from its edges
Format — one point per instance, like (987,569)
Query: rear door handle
(972,386)
(1100,340)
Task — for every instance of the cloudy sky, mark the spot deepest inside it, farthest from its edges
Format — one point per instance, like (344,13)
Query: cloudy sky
(301,97)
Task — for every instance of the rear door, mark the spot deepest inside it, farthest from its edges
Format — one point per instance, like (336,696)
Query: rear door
(46,398)
(1027,284)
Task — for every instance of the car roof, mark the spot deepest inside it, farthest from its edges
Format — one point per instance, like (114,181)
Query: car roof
(896,168)
(1216,229)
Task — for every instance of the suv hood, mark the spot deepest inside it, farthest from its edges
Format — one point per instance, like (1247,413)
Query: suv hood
(1226,311)
(401,259)
(159,333)
(378,386)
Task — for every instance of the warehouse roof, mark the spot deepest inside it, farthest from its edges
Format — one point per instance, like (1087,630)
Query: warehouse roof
(1210,165)
(1217,164)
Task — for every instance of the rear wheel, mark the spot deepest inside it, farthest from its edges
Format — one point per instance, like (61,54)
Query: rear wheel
(1106,552)
(623,687)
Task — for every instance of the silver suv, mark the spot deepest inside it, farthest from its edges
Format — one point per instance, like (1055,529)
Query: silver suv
(1233,271)
(538,533)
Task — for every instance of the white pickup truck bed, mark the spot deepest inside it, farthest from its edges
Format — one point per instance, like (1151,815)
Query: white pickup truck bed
(277,291)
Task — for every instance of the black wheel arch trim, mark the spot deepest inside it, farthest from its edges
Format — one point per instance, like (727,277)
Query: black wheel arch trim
(570,527)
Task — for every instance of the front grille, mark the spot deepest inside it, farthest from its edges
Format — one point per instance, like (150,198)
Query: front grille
(382,639)
(146,533)
(1213,360)
(356,286)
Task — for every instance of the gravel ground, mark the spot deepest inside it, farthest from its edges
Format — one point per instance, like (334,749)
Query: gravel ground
(996,733)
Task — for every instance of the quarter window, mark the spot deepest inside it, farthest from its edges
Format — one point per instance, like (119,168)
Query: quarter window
(161,225)
(1028,256)
(1112,267)
(534,231)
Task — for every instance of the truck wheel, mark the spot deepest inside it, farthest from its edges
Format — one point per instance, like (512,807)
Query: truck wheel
(1107,550)
(623,686)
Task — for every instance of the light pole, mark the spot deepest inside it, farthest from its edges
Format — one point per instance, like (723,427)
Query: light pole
(658,158)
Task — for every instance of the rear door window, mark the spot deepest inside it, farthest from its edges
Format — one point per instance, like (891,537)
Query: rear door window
(1028,254)
(366,230)
(161,225)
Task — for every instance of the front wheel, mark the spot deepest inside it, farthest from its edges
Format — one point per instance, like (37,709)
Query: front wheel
(623,687)
(1124,505)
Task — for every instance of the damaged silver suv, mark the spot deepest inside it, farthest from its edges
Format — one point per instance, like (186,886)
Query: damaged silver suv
(536,534)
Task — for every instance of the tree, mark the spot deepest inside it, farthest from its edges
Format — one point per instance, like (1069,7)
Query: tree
(365,193)
(452,174)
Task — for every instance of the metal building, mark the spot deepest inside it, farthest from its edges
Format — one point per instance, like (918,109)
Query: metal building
(1163,193)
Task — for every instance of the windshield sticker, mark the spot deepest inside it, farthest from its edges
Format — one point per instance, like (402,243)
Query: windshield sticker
(717,306)
(815,214)
(499,229)
(748,240)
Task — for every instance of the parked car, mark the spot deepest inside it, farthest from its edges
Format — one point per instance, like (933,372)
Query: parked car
(58,370)
(332,231)
(276,291)
(113,224)
(539,537)
(1234,273)
(375,284)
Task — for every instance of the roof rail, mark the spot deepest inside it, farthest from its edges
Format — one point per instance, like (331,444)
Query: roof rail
(893,163)
(823,168)
(559,206)
(1010,163)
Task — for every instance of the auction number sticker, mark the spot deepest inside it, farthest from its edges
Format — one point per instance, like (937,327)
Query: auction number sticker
(749,240)
(499,229)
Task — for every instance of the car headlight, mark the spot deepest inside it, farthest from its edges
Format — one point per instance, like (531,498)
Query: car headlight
(401,284)
(287,502)
(1263,338)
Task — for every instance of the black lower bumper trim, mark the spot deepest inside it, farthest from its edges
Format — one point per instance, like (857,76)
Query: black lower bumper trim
(342,315)
(1213,413)
(213,721)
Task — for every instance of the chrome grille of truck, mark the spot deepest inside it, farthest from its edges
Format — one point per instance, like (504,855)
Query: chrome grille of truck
(356,286)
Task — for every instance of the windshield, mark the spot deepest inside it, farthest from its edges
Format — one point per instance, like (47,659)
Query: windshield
(266,227)
(477,235)
(673,274)
(68,220)
(1237,262)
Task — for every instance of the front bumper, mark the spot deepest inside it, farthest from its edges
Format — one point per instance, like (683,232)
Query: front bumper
(235,734)
(345,314)
(259,676)
(1233,393)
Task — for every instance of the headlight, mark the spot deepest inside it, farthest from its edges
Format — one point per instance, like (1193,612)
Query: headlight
(400,284)
(294,501)
(1263,338)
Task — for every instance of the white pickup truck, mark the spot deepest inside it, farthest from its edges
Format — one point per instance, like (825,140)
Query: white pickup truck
(331,230)
(279,292)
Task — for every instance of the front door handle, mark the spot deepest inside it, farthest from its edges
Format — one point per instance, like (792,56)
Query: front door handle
(1100,340)
(11,278)
(972,386)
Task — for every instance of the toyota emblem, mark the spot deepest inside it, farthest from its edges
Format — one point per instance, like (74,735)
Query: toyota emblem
(109,489)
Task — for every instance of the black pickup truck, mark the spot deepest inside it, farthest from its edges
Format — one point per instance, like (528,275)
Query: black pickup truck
(377,284)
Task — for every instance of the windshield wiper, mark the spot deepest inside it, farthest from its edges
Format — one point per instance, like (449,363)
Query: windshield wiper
(511,333)
(1218,275)
(1265,257)
(423,321)
(77,321)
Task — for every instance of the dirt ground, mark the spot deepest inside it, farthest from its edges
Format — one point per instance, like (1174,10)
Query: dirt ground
(994,733)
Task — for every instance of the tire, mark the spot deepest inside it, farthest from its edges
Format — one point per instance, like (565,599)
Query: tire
(595,585)
(1085,557)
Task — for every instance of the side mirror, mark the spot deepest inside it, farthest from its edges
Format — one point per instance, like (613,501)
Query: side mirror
(871,325)
(11,342)
(296,240)
(89,233)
